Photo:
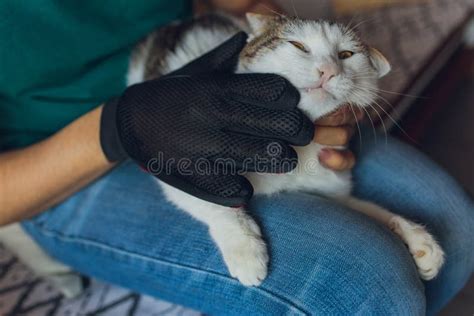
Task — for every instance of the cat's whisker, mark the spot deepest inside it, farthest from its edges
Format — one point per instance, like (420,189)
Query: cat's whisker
(371,122)
(366,74)
(382,122)
(356,92)
(354,28)
(390,105)
(379,97)
(364,71)
(272,10)
(397,125)
(358,126)
(294,8)
(359,74)
(360,77)
(376,95)
(349,25)
(397,93)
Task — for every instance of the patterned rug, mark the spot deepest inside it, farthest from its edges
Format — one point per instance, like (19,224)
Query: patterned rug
(22,293)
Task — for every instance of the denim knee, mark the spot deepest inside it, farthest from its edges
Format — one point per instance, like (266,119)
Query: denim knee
(329,260)
(453,228)
(402,179)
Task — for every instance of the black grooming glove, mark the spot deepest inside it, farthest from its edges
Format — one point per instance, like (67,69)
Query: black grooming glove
(197,127)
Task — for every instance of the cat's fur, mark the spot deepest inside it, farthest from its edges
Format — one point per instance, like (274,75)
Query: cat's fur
(325,82)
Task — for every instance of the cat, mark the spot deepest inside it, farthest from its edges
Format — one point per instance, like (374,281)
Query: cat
(332,68)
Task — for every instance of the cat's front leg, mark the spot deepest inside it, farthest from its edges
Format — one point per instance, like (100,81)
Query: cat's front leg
(235,233)
(425,250)
(240,242)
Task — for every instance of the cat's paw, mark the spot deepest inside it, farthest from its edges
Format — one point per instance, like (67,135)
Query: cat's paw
(428,255)
(247,261)
(245,253)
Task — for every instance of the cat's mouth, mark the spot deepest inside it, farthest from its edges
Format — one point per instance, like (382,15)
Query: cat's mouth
(316,89)
(313,88)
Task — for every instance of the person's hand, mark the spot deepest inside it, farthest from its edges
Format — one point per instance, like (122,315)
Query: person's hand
(190,123)
(336,130)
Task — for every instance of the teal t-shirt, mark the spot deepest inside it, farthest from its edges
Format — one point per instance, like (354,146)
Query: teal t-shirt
(60,59)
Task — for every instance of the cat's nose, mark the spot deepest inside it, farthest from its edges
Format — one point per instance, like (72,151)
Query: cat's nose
(328,71)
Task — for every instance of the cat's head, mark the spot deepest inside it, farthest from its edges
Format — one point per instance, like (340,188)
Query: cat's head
(326,61)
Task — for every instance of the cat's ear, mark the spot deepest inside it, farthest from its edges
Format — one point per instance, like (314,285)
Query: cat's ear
(379,62)
(258,22)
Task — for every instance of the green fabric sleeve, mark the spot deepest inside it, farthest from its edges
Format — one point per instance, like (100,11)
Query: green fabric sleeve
(60,59)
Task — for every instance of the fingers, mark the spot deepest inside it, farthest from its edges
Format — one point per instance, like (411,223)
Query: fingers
(263,90)
(212,186)
(292,126)
(264,105)
(337,160)
(239,153)
(344,116)
(333,136)
(336,130)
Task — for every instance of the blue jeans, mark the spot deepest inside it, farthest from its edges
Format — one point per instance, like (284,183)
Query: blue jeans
(325,259)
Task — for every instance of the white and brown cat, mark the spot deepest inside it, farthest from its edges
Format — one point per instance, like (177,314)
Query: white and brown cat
(331,67)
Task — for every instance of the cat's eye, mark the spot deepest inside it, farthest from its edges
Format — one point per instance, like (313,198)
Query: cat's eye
(345,54)
(299,45)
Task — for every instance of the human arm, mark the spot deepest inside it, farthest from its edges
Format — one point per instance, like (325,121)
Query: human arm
(37,177)
(34,178)
(41,175)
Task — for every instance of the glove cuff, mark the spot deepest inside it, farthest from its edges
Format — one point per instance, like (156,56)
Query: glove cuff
(109,135)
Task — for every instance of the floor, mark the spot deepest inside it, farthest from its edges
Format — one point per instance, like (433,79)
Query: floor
(22,293)
(451,143)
